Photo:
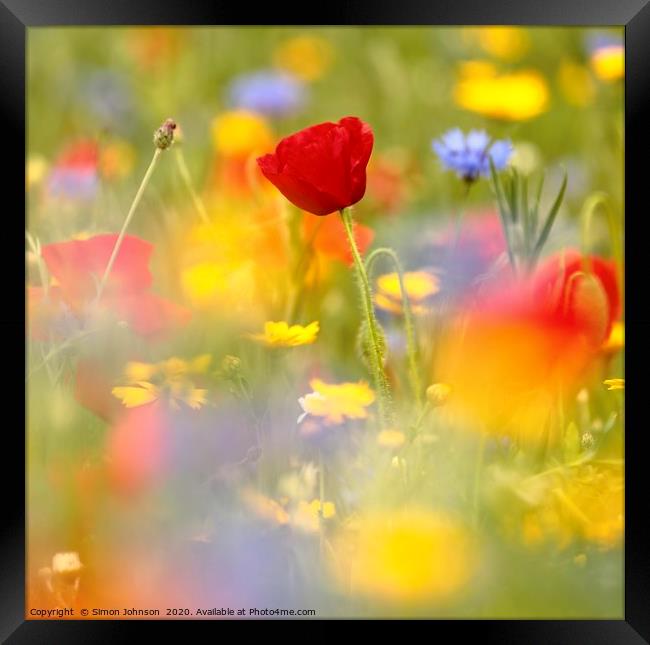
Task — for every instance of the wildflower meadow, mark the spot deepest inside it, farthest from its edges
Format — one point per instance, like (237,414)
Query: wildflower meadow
(325,322)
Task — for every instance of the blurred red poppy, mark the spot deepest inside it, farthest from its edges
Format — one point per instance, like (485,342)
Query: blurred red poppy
(77,267)
(81,154)
(138,449)
(322,169)
(580,290)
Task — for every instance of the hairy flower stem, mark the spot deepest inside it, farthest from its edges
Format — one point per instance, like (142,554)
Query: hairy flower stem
(127,221)
(409,322)
(187,180)
(376,359)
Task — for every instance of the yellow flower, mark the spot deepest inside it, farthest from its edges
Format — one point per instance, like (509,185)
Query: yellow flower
(279,334)
(307,515)
(615,383)
(148,382)
(515,96)
(337,402)
(583,503)
(237,264)
(264,507)
(240,133)
(420,285)
(36,170)
(391,438)
(616,340)
(508,43)
(407,555)
(308,57)
(608,62)
(576,83)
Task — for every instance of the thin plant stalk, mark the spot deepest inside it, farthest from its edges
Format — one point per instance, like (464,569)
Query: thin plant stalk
(127,221)
(187,180)
(478,472)
(374,335)
(409,322)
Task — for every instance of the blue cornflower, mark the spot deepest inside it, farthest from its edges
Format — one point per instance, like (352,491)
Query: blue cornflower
(268,92)
(469,155)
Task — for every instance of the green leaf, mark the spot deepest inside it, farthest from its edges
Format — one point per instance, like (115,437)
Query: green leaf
(571,443)
(550,219)
(538,199)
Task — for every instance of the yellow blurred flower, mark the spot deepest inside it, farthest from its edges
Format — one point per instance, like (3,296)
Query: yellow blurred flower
(240,133)
(576,83)
(308,57)
(526,157)
(615,383)
(66,564)
(168,379)
(583,503)
(508,43)
(335,403)
(280,334)
(308,514)
(616,340)
(36,170)
(116,160)
(238,265)
(420,285)
(514,96)
(608,62)
(391,438)
(264,507)
(407,555)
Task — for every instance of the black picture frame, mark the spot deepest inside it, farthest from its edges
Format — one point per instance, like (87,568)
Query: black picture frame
(18,15)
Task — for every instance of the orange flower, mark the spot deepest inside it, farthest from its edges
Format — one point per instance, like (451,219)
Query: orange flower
(327,236)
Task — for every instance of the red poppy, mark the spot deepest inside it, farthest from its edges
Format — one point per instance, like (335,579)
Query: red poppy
(322,169)
(80,155)
(328,236)
(138,449)
(78,267)
(580,290)
(525,339)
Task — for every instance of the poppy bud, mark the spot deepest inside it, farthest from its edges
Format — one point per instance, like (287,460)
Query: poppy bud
(438,394)
(163,137)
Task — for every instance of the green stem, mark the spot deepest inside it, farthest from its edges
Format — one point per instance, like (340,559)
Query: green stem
(478,471)
(376,354)
(321,496)
(409,323)
(120,237)
(187,180)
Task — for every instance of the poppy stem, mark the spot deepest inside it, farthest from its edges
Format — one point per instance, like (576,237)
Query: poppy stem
(374,336)
(127,221)
(409,322)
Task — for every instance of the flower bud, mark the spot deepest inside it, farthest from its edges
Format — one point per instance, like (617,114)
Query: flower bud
(163,137)
(231,366)
(438,394)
